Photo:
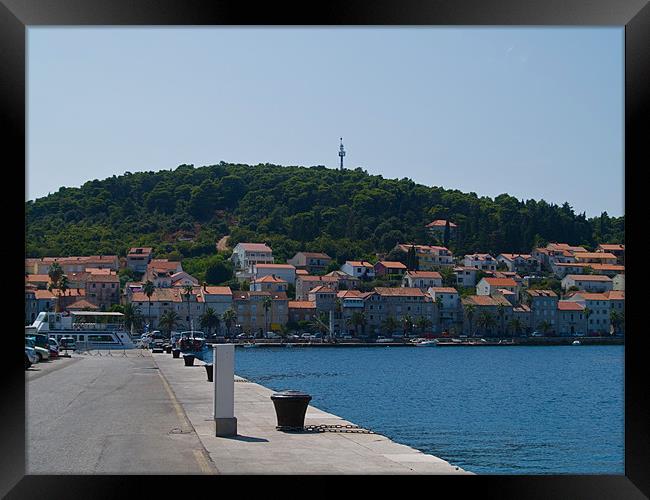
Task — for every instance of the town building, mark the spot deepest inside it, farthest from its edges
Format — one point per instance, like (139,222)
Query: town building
(389,268)
(617,249)
(519,262)
(269,283)
(481,261)
(304,284)
(252,317)
(595,257)
(429,257)
(543,306)
(486,315)
(438,227)
(571,318)
(488,286)
(312,262)
(244,255)
(345,281)
(71,264)
(597,310)
(361,269)
(588,282)
(422,279)
(465,276)
(398,303)
(103,290)
(449,306)
(618,282)
(301,310)
(286,272)
(183,279)
(138,259)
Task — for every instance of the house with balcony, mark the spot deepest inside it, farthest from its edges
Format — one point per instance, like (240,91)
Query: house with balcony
(616,249)
(422,279)
(429,257)
(361,269)
(389,268)
(519,262)
(481,261)
(244,255)
(138,259)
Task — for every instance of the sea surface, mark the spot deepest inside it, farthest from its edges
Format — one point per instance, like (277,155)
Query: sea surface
(489,410)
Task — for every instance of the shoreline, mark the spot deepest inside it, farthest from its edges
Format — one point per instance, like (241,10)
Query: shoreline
(509,342)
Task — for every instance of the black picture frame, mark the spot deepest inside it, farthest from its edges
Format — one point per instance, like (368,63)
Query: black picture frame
(17,15)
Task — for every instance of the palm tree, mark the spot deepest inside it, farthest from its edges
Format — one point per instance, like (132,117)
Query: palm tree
(439,308)
(516,325)
(168,321)
(616,319)
(587,312)
(63,286)
(469,312)
(486,321)
(55,273)
(209,320)
(389,324)
(148,289)
(423,323)
(267,303)
(187,292)
(132,316)
(359,319)
(407,324)
(229,318)
(545,326)
(501,312)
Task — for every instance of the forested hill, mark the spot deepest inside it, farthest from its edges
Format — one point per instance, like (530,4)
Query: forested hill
(183,212)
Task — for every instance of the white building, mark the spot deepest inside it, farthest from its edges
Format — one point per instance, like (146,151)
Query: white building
(482,261)
(358,268)
(588,282)
(422,279)
(244,255)
(287,272)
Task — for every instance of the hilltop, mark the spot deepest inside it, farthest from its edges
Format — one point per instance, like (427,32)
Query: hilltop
(350,214)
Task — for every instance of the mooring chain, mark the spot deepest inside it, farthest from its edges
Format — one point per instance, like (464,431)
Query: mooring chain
(355,429)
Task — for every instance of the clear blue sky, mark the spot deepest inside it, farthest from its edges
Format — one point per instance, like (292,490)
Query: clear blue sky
(534,112)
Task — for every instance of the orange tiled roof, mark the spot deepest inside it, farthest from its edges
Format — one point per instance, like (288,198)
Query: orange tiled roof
(425,274)
(588,277)
(568,305)
(440,223)
(392,264)
(500,282)
(399,292)
(302,304)
(82,304)
(274,266)
(443,289)
(255,247)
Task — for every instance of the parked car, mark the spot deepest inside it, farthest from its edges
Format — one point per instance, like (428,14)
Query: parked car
(30,357)
(54,348)
(244,336)
(41,353)
(536,334)
(271,335)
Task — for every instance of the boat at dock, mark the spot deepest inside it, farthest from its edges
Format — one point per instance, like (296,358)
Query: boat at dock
(426,343)
(191,341)
(89,329)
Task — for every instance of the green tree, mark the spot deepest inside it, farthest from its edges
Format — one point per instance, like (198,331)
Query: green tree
(210,320)
(187,293)
(229,318)
(486,321)
(169,320)
(148,289)
(55,274)
(267,304)
(469,312)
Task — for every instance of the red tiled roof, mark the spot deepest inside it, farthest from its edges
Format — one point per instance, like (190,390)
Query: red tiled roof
(389,264)
(568,305)
(218,290)
(399,292)
(616,294)
(614,246)
(274,266)
(594,255)
(269,279)
(588,277)
(322,289)
(500,282)
(425,274)
(359,263)
(82,304)
(440,223)
(315,255)
(302,304)
(512,256)
(541,293)
(255,247)
(443,289)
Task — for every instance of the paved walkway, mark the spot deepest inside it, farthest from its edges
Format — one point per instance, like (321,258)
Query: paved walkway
(107,415)
(260,449)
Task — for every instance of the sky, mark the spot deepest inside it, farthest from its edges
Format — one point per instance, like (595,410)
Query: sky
(532,112)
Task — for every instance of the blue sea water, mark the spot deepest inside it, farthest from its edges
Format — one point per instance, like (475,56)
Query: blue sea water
(489,410)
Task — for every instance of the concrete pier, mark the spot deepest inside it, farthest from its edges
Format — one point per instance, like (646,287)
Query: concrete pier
(260,449)
(138,413)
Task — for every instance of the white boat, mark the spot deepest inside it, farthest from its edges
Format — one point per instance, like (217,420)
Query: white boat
(383,340)
(249,344)
(90,330)
(576,342)
(427,343)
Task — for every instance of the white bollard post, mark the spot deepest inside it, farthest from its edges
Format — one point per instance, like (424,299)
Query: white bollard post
(223,366)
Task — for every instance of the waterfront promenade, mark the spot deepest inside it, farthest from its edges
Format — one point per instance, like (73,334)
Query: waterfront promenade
(149,414)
